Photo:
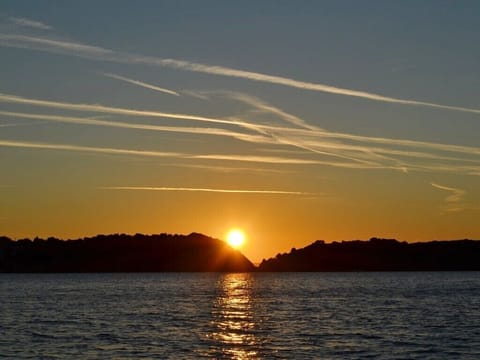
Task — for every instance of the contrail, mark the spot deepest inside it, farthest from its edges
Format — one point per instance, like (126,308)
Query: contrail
(324,134)
(279,80)
(142,84)
(134,126)
(259,105)
(99,53)
(318,141)
(473,170)
(30,23)
(113,110)
(56,46)
(236,191)
(22,124)
(68,147)
(150,153)
(253,158)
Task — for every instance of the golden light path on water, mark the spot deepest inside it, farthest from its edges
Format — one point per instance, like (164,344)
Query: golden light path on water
(233,324)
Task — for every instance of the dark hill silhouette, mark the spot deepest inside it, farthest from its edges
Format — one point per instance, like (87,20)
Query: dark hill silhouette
(122,253)
(197,252)
(379,255)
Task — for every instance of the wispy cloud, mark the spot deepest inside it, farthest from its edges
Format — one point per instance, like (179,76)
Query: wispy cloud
(23,124)
(356,148)
(229,169)
(384,152)
(141,84)
(453,201)
(233,191)
(344,150)
(56,46)
(310,134)
(150,153)
(30,23)
(135,126)
(99,53)
(260,159)
(262,106)
(113,110)
(10,125)
(101,150)
(279,80)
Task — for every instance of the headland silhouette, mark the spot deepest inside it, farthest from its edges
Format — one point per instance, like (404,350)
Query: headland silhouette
(379,255)
(122,253)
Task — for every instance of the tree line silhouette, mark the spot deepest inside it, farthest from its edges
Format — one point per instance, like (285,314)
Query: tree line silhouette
(379,255)
(197,252)
(122,253)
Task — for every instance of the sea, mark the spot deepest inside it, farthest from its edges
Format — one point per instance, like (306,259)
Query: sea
(384,315)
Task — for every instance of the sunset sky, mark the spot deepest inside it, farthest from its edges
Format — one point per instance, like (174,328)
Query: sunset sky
(291,120)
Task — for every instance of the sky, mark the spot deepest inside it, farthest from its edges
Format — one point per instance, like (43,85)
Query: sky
(291,120)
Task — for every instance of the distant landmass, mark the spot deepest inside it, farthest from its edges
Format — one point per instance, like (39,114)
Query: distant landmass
(122,253)
(379,255)
(197,252)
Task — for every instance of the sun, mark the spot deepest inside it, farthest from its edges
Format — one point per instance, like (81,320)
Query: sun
(236,238)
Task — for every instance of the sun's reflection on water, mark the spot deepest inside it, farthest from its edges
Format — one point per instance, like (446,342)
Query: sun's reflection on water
(233,324)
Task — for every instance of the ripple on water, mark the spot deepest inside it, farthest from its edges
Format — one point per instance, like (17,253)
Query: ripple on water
(240,316)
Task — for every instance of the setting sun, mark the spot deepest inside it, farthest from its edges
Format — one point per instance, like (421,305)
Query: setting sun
(236,238)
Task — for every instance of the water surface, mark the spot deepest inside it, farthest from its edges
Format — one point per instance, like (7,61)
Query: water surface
(241,316)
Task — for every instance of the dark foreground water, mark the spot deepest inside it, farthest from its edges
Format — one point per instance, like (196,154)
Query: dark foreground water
(241,316)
